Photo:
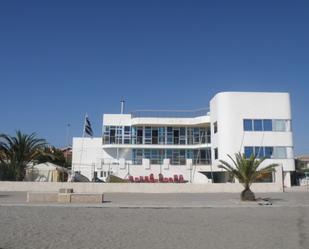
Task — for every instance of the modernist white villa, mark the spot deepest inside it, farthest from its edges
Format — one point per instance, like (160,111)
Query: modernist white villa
(189,144)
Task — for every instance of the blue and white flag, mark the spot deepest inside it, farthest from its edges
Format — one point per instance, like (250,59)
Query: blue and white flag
(87,128)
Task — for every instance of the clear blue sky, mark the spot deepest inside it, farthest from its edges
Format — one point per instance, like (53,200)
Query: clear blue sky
(61,59)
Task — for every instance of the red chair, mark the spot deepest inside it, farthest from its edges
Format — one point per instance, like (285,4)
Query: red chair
(165,180)
(161,179)
(151,178)
(141,179)
(146,178)
(181,180)
(131,179)
(136,179)
(176,178)
(170,180)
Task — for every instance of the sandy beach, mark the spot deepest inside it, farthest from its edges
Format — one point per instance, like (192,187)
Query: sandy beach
(155,226)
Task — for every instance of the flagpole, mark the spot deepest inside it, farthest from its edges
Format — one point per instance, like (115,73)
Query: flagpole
(82,147)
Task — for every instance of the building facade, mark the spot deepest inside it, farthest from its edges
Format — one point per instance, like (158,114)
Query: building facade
(190,143)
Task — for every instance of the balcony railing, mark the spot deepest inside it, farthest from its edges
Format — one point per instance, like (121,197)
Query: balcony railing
(170,113)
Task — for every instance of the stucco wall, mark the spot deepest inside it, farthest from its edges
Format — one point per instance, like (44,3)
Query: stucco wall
(137,187)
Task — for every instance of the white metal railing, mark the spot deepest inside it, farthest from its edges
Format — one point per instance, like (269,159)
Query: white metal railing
(170,113)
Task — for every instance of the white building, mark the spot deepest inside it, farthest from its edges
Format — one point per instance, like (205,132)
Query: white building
(190,143)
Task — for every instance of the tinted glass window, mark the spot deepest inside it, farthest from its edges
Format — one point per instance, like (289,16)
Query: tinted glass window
(248,124)
(258,125)
(267,124)
(248,152)
(259,152)
(268,152)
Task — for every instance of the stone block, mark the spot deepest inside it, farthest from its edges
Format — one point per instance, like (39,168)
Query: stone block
(65,190)
(87,198)
(64,197)
(42,197)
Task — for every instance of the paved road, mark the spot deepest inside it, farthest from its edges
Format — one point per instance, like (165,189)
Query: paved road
(179,221)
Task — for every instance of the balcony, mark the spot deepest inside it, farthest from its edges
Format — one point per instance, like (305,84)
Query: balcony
(170,113)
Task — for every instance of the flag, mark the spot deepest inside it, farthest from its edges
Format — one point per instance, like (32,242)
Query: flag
(87,129)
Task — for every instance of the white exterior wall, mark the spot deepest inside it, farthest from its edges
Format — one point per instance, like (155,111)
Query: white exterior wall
(229,109)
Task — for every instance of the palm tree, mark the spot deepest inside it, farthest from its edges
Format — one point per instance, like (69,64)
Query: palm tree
(247,171)
(17,152)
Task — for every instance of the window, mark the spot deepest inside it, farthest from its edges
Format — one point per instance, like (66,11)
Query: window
(148,135)
(169,135)
(257,125)
(280,152)
(215,127)
(155,135)
(249,151)
(248,125)
(182,135)
(259,152)
(139,138)
(279,125)
(189,135)
(267,125)
(162,135)
(216,153)
(268,152)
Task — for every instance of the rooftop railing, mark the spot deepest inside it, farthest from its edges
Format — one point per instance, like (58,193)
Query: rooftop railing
(170,113)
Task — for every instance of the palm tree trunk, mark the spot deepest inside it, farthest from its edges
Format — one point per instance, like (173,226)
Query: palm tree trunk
(247,194)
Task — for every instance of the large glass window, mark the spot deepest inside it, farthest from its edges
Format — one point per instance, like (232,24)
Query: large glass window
(280,152)
(268,152)
(139,135)
(248,125)
(216,153)
(257,125)
(127,135)
(169,134)
(259,152)
(189,135)
(148,139)
(267,125)
(182,135)
(279,125)
(215,127)
(162,135)
(155,135)
(176,135)
(249,151)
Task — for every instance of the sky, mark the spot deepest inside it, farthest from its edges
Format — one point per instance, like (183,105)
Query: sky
(62,59)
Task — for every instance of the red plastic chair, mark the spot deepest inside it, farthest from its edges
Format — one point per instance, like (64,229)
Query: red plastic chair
(176,178)
(141,179)
(136,179)
(165,180)
(161,179)
(146,178)
(181,180)
(131,179)
(170,180)
(151,178)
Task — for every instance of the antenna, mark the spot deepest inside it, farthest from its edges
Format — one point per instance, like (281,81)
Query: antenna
(122,106)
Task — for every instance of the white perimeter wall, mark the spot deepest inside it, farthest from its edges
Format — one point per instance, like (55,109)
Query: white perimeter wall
(137,187)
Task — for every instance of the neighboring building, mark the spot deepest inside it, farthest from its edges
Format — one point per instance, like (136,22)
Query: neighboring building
(190,143)
(303,161)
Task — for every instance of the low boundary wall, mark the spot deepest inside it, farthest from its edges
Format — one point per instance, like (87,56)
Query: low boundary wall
(83,187)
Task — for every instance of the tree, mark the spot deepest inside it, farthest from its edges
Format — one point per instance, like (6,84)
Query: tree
(247,171)
(53,155)
(16,152)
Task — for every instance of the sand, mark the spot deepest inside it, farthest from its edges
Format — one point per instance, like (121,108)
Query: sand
(176,221)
